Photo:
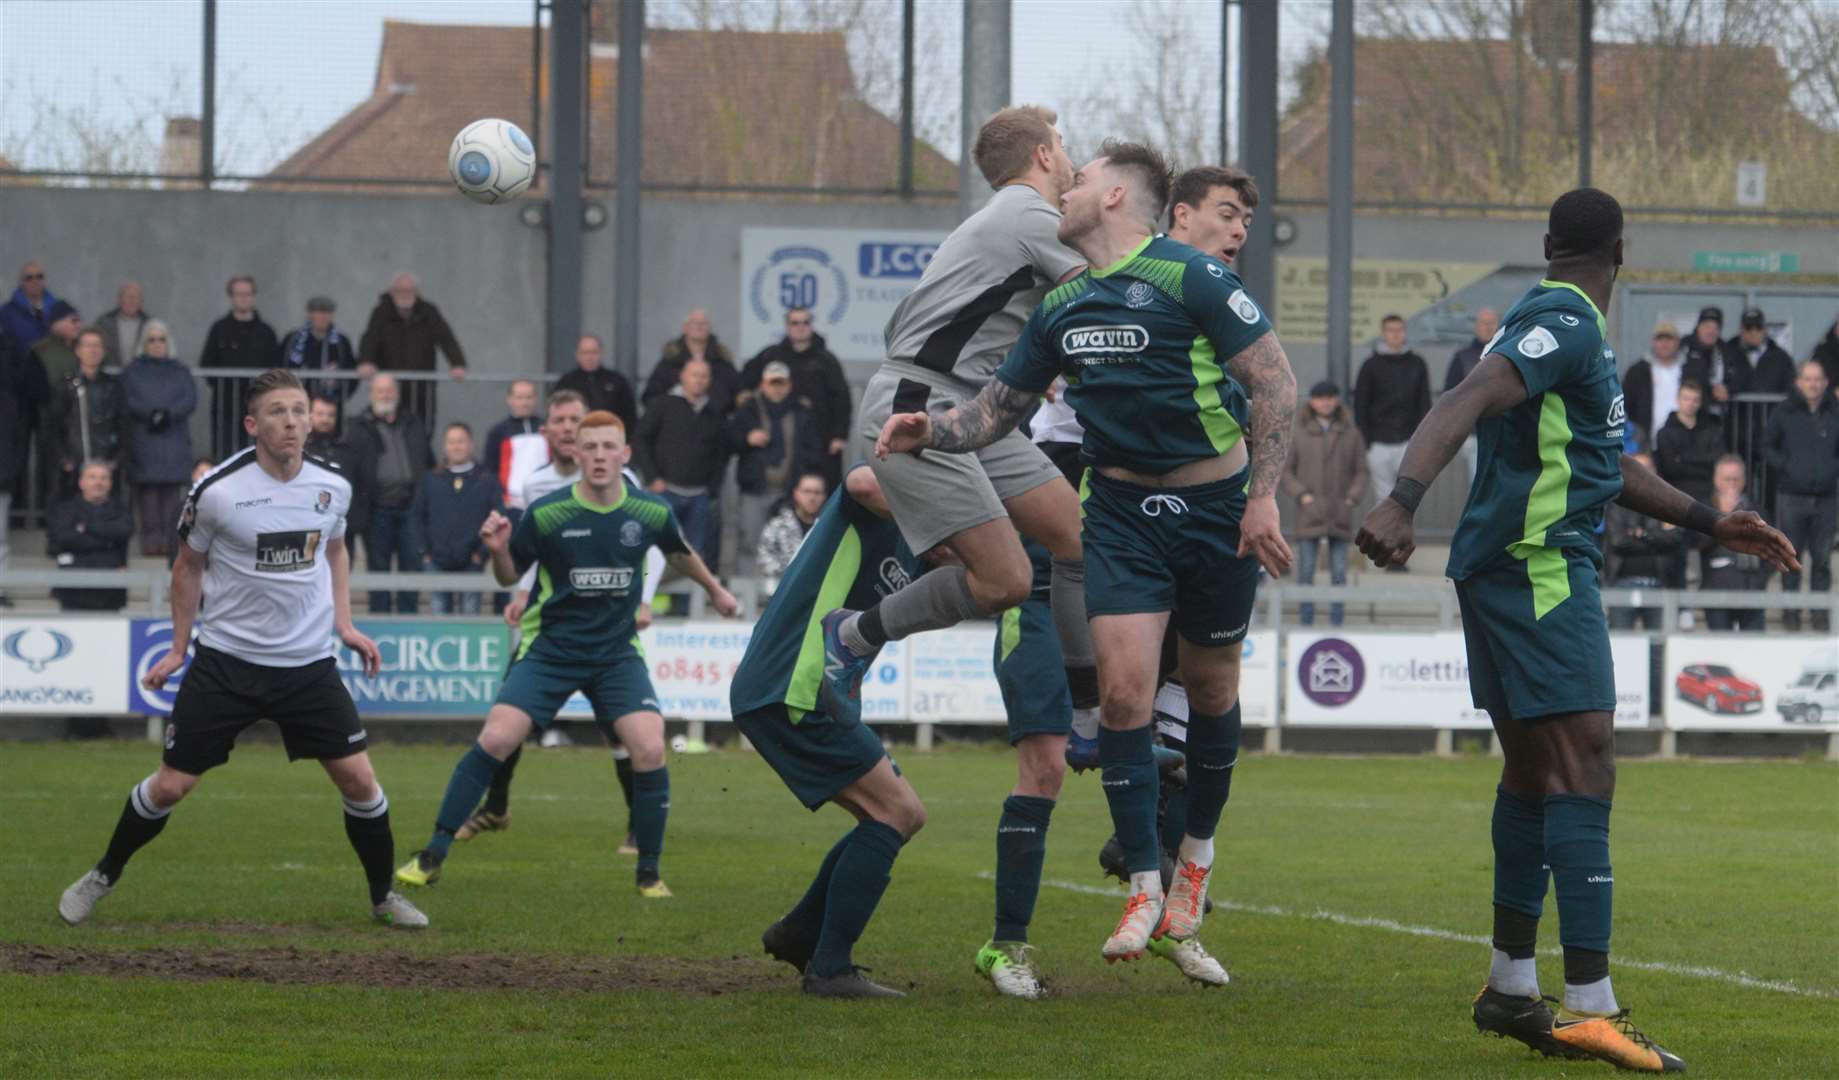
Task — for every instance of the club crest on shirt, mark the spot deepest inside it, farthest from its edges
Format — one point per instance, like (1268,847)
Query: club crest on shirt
(630,534)
(324,502)
(1139,295)
(1243,307)
(1537,343)
(286,552)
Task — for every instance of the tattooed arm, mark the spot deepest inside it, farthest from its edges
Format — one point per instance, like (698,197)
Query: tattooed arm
(977,423)
(1264,371)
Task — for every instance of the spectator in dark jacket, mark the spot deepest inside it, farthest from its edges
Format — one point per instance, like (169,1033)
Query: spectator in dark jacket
(781,537)
(89,530)
(57,350)
(776,438)
(1764,367)
(1652,384)
(122,325)
(1487,321)
(1689,443)
(520,400)
(1391,396)
(600,387)
(238,340)
(1326,473)
(1803,450)
(404,333)
(88,417)
(27,316)
(681,446)
(818,377)
(23,393)
(319,346)
(387,450)
(161,397)
(323,435)
(1827,354)
(1723,569)
(1708,362)
(1641,553)
(450,505)
(696,343)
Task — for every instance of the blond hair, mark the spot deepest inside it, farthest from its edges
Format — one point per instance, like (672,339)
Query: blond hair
(1006,142)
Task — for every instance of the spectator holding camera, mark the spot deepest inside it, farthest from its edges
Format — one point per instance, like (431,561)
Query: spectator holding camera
(450,505)
(160,397)
(1723,569)
(88,416)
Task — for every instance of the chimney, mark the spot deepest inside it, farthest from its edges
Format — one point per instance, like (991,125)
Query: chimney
(182,150)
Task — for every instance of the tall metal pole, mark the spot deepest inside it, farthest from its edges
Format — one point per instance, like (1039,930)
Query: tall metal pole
(630,151)
(1225,95)
(567,107)
(1586,88)
(986,89)
(1341,192)
(907,22)
(1258,141)
(207,134)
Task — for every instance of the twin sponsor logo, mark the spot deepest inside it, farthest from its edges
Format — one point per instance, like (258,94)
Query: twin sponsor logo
(894,260)
(1108,340)
(148,643)
(1331,672)
(286,552)
(589,580)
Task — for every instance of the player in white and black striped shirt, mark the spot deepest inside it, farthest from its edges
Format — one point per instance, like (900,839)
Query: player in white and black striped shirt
(264,535)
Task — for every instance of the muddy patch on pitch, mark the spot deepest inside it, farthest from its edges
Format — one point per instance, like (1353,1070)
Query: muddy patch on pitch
(403,971)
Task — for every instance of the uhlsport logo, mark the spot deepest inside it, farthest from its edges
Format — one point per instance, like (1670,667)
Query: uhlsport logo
(589,580)
(894,260)
(148,642)
(37,647)
(1331,672)
(1087,340)
(894,576)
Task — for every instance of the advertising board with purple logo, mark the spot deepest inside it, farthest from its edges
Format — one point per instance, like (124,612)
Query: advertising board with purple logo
(1419,680)
(1745,682)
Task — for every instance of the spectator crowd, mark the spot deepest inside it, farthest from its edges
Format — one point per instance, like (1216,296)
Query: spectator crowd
(102,410)
(104,407)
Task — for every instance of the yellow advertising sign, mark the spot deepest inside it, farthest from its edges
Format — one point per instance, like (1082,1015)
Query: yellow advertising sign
(1381,287)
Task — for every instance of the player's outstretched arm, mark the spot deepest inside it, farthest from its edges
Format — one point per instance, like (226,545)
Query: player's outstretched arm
(495,534)
(691,566)
(1741,531)
(993,413)
(187,586)
(1264,371)
(1386,537)
(338,558)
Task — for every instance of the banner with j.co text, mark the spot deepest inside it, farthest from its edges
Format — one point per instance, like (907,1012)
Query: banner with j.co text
(849,279)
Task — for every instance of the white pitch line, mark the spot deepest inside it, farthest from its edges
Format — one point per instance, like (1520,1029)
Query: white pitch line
(1697,971)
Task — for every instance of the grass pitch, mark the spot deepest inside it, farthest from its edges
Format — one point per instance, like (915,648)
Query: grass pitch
(1356,892)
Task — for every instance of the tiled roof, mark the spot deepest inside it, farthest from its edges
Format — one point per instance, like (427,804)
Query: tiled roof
(722,109)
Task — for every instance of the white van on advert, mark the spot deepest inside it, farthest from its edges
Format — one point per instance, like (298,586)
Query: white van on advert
(1815,695)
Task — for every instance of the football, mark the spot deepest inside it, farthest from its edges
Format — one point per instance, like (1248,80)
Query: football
(491,161)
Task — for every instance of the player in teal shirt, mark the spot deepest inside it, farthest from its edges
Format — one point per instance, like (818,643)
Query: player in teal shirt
(1547,408)
(1186,400)
(588,542)
(817,743)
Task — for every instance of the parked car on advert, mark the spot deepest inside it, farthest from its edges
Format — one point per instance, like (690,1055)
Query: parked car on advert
(1716,688)
(1815,695)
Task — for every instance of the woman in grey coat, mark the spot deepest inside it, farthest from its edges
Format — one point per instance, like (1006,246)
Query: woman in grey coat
(161,397)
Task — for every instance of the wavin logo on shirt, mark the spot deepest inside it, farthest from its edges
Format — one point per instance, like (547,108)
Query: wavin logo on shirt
(1104,339)
(589,580)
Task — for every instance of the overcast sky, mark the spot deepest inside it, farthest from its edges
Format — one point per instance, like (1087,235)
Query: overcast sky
(290,68)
